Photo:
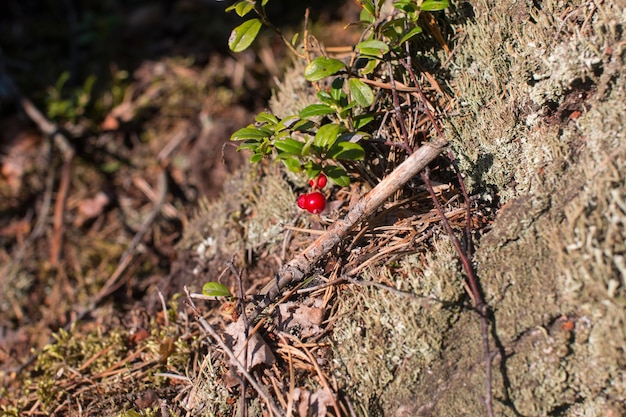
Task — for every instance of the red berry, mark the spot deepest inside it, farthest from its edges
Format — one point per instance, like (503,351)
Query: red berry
(302,201)
(315,202)
(321,181)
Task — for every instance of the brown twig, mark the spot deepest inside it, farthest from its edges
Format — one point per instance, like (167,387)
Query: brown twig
(67,151)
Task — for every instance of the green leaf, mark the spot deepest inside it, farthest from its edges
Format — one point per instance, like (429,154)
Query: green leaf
(361,93)
(251,133)
(265,117)
(215,289)
(336,89)
(322,67)
(336,174)
(243,35)
(242,8)
(290,146)
(368,6)
(313,169)
(373,47)
(294,39)
(287,123)
(346,150)
(434,5)
(257,157)
(315,110)
(362,120)
(249,144)
(292,164)
(366,16)
(327,135)
(413,32)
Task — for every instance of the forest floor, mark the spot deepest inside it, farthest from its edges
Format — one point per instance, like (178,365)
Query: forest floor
(120,190)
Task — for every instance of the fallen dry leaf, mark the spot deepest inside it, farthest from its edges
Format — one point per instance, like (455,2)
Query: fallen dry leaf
(303,318)
(91,207)
(259,352)
(315,404)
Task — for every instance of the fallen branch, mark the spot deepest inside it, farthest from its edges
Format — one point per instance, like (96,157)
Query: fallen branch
(300,267)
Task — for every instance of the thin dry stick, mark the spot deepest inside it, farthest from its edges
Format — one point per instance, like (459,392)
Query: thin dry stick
(300,266)
(231,355)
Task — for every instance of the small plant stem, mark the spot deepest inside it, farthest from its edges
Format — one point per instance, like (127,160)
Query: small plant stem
(437,127)
(397,109)
(263,16)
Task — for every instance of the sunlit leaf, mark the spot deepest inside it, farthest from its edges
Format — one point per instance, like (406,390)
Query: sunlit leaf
(289,145)
(346,150)
(413,32)
(373,47)
(362,120)
(215,289)
(292,164)
(322,67)
(361,93)
(256,158)
(242,8)
(434,5)
(337,175)
(265,117)
(316,110)
(243,35)
(327,135)
(251,133)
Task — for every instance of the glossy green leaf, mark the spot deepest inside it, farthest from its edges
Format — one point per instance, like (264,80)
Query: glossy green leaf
(242,8)
(292,164)
(257,157)
(373,47)
(287,123)
(316,110)
(249,144)
(434,5)
(313,169)
(322,67)
(413,32)
(327,135)
(346,150)
(265,117)
(368,6)
(337,175)
(215,289)
(362,120)
(251,133)
(361,92)
(290,146)
(243,35)
(366,17)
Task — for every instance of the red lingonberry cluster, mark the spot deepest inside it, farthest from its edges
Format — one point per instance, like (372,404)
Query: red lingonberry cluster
(314,202)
